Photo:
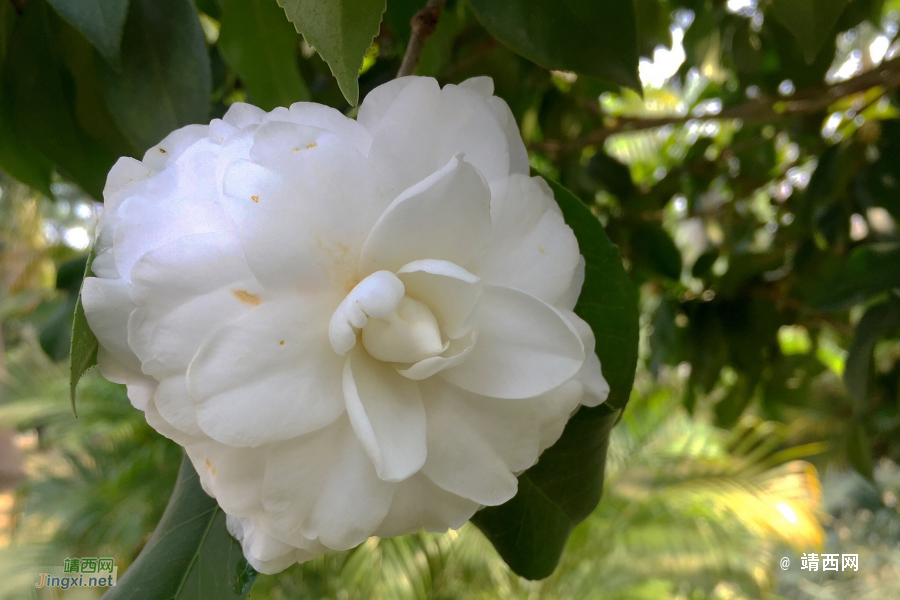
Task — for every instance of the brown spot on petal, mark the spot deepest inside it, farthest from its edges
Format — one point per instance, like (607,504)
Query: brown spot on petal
(313,145)
(281,343)
(247,298)
(162,150)
(255,199)
(210,467)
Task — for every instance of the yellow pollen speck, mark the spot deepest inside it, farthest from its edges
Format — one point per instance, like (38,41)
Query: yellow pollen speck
(296,149)
(247,298)
(541,249)
(162,150)
(281,343)
(313,145)
(255,199)
(211,468)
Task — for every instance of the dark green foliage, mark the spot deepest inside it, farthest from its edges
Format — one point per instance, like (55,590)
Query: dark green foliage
(592,37)
(191,555)
(164,81)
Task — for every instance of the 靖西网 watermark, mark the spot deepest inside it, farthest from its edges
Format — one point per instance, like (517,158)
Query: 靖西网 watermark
(79,572)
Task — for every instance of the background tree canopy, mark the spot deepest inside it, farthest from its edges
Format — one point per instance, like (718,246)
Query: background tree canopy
(744,157)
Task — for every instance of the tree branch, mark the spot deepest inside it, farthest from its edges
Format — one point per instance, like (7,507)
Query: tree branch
(422,26)
(808,101)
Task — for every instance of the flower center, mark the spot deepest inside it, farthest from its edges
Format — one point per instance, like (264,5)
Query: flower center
(407,335)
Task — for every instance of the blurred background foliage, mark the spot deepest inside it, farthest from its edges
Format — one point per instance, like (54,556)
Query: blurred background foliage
(753,189)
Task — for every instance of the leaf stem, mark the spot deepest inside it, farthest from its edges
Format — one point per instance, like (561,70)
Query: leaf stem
(422,26)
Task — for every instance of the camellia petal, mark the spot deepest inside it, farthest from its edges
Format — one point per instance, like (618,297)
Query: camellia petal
(532,249)
(447,289)
(525,347)
(271,375)
(332,477)
(475,444)
(444,217)
(387,415)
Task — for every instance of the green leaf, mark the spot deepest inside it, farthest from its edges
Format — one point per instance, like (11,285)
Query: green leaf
(84,343)
(859,450)
(652,246)
(811,22)
(591,37)
(100,21)
(881,320)
(40,105)
(564,487)
(341,31)
(190,555)
(867,271)
(19,158)
(261,47)
(165,80)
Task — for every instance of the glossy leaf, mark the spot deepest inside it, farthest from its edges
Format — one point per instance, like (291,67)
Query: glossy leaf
(83,351)
(341,31)
(191,555)
(564,487)
(867,271)
(591,37)
(653,247)
(880,321)
(100,21)
(41,107)
(165,81)
(811,22)
(261,47)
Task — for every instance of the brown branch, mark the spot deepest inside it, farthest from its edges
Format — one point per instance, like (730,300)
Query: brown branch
(808,101)
(422,26)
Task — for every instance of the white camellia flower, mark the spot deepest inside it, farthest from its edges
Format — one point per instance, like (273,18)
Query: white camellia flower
(354,327)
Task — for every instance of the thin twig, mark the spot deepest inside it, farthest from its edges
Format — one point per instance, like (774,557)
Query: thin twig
(807,101)
(422,26)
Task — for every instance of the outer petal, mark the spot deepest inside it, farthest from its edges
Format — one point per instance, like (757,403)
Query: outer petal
(555,408)
(447,289)
(187,290)
(107,307)
(379,101)
(155,420)
(330,119)
(176,406)
(475,443)
(445,217)
(387,415)
(420,504)
(270,375)
(241,114)
(181,200)
(233,476)
(333,492)
(532,249)
(596,389)
(524,347)
(425,126)
(570,298)
(266,552)
(518,155)
(308,199)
